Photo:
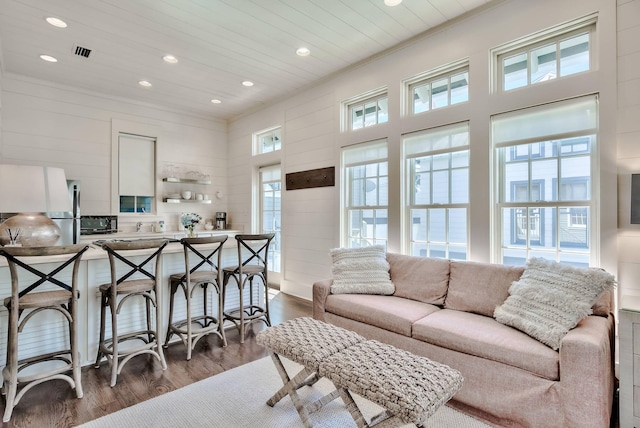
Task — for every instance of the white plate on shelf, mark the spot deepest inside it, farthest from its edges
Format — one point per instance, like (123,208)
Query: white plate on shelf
(174,196)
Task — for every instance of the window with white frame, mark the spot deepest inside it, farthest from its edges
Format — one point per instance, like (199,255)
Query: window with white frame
(271,211)
(437,188)
(365,194)
(556,54)
(545,170)
(267,141)
(441,88)
(369,111)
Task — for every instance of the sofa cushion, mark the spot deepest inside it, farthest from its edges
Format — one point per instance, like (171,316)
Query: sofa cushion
(479,287)
(419,278)
(551,298)
(388,312)
(361,270)
(486,338)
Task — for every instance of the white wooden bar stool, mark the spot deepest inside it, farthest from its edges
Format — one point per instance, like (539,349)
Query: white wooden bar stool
(61,295)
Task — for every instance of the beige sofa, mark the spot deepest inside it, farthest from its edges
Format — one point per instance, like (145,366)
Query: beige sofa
(444,309)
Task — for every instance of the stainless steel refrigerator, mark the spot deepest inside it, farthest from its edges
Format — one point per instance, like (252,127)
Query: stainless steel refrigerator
(69,221)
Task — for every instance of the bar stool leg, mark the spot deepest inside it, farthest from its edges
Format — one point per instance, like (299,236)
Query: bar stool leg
(10,372)
(75,354)
(172,292)
(103,314)
(114,341)
(221,316)
(159,350)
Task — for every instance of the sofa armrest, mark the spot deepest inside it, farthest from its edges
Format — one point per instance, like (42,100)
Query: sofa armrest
(587,371)
(321,290)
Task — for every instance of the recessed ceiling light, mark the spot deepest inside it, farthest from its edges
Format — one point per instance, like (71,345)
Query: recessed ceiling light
(303,52)
(216,101)
(144,83)
(392,2)
(56,22)
(247,83)
(170,59)
(48,58)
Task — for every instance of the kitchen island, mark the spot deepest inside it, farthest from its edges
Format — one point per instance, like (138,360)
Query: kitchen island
(46,331)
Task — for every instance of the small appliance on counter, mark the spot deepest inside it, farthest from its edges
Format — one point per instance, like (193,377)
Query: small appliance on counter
(221,220)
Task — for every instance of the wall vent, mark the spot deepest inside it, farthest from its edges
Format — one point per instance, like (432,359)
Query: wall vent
(80,51)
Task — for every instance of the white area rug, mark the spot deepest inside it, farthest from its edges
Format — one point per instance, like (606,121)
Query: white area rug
(237,398)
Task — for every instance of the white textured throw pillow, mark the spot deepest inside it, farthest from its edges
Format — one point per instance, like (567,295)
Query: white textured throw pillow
(550,299)
(361,271)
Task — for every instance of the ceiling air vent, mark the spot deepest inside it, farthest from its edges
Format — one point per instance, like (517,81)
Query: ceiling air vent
(80,51)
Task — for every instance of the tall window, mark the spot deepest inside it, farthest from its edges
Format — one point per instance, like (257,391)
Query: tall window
(545,168)
(271,212)
(368,112)
(365,194)
(567,52)
(437,184)
(136,173)
(268,141)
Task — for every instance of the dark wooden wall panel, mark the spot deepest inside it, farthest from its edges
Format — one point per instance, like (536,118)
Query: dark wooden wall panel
(321,177)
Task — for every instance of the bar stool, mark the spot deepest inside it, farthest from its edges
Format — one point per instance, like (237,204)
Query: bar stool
(63,300)
(121,347)
(207,253)
(252,262)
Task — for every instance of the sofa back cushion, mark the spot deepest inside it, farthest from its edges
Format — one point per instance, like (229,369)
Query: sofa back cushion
(479,287)
(419,278)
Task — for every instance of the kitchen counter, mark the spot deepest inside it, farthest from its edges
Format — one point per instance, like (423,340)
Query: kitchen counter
(95,270)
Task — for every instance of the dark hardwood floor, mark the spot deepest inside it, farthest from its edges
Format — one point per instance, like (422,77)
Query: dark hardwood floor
(54,404)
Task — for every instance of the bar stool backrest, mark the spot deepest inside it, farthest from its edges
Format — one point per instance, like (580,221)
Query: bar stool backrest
(121,251)
(207,251)
(16,258)
(253,250)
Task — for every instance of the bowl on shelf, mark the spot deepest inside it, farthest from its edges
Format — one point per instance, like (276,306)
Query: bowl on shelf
(186,194)
(208,226)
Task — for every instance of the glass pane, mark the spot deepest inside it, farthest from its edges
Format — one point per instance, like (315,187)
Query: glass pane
(460,186)
(458,225)
(516,182)
(439,251)
(440,187)
(371,192)
(542,232)
(574,185)
(440,93)
(574,55)
(357,117)
(513,257)
(127,204)
(457,252)
(543,63)
(419,249)
(422,189)
(544,173)
(574,228)
(380,225)
(277,139)
(383,191)
(143,204)
(419,225)
(441,161)
(420,98)
(573,259)
(383,110)
(514,229)
(460,159)
(460,88)
(437,225)
(370,113)
(514,71)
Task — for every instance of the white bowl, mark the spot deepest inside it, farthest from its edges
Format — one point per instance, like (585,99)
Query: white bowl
(186,194)
(208,227)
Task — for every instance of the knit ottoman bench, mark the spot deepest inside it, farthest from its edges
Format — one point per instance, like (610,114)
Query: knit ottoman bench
(408,386)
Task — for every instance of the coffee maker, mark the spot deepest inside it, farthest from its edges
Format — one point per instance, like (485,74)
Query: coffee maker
(221,220)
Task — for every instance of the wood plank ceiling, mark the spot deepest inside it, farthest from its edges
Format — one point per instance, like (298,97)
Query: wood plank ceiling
(218,43)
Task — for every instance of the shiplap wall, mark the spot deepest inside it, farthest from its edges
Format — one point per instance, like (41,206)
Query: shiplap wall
(312,137)
(628,142)
(59,126)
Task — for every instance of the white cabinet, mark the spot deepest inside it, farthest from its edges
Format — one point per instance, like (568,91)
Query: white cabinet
(630,362)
